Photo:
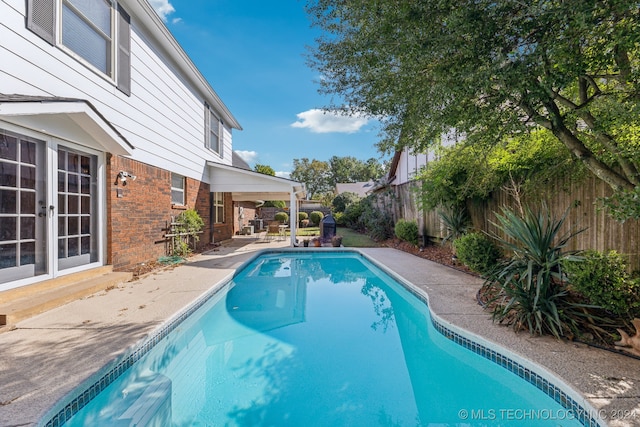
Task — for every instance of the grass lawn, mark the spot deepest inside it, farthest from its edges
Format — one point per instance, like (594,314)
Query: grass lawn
(353,239)
(306,232)
(350,238)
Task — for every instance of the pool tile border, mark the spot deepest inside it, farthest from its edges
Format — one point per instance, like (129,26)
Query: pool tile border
(122,364)
(527,374)
(64,413)
(584,415)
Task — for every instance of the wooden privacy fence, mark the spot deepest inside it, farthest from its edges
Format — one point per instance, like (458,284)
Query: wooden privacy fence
(601,232)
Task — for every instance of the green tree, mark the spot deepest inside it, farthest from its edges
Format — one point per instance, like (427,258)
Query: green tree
(343,200)
(343,169)
(524,164)
(371,169)
(314,174)
(265,169)
(349,169)
(321,177)
(490,68)
(324,198)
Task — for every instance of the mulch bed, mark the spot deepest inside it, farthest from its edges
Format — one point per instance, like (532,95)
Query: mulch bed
(433,252)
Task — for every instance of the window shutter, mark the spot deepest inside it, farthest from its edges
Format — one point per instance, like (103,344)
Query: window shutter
(124,52)
(41,19)
(220,138)
(207,126)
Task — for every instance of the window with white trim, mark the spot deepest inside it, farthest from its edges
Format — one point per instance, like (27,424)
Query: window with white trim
(177,189)
(218,208)
(96,32)
(213,131)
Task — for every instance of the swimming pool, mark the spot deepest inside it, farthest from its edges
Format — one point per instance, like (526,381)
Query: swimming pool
(316,338)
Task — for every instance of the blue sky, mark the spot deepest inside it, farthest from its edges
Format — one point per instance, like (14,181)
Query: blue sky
(253,54)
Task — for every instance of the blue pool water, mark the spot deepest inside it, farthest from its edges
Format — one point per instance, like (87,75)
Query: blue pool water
(316,340)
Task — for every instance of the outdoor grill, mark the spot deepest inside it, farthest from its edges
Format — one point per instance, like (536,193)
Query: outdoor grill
(327,227)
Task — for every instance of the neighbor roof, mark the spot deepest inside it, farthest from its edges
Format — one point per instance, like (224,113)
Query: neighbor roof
(360,188)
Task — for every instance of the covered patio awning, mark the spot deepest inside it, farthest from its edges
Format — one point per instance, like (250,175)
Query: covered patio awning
(250,186)
(66,118)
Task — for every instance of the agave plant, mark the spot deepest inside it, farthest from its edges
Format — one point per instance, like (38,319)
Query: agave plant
(529,288)
(456,221)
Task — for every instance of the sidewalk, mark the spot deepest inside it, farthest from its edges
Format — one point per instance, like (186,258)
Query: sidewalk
(49,355)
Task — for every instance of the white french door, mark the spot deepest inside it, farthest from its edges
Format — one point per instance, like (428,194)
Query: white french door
(76,208)
(49,208)
(23,207)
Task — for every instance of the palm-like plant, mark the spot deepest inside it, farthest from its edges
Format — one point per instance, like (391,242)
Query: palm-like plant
(530,285)
(456,221)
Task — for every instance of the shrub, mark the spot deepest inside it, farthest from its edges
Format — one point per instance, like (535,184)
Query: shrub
(603,280)
(365,217)
(302,216)
(275,204)
(343,200)
(316,217)
(407,231)
(456,221)
(339,218)
(353,214)
(189,224)
(530,285)
(477,251)
(281,217)
(378,224)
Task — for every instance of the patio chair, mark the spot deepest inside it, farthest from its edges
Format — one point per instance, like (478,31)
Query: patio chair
(273,230)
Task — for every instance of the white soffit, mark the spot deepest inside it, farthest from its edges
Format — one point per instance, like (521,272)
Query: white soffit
(246,185)
(73,121)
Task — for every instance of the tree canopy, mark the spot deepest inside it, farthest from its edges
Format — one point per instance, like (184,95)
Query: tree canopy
(524,164)
(349,169)
(313,173)
(265,169)
(490,69)
(321,177)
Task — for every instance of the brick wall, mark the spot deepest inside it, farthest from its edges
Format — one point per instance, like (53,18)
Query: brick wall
(139,212)
(224,231)
(249,212)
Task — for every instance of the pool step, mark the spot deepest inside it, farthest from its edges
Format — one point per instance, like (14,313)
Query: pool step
(27,301)
(151,408)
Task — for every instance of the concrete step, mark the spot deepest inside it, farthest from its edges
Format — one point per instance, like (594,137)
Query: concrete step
(27,301)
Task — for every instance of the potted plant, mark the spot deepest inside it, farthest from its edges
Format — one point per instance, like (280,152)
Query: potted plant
(305,243)
(317,242)
(336,241)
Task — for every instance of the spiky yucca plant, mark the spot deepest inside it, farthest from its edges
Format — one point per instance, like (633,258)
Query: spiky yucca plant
(529,288)
(456,221)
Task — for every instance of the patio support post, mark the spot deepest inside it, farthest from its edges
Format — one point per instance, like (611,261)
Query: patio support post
(293,216)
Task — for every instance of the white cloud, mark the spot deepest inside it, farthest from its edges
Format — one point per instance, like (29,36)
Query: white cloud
(320,121)
(163,7)
(247,156)
(284,175)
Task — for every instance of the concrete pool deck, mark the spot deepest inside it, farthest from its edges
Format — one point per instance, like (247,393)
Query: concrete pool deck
(47,356)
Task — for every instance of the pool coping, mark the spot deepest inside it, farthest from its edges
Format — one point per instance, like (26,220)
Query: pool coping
(535,374)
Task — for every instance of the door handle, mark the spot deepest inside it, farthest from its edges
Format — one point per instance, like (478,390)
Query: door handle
(44,208)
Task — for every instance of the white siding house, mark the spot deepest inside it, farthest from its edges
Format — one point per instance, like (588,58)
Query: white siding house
(107,130)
